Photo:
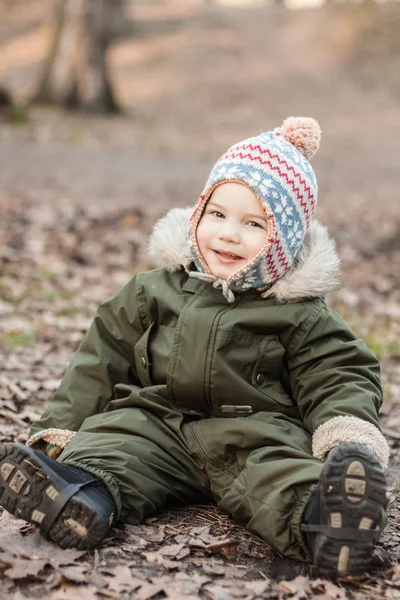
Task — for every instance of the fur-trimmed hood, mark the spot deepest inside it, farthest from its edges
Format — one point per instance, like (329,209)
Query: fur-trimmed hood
(314,273)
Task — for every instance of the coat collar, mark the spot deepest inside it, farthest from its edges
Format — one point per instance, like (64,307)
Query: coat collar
(314,273)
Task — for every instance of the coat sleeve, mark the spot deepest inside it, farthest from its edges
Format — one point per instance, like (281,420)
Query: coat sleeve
(335,380)
(104,358)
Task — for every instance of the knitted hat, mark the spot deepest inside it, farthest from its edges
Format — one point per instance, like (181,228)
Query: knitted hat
(275,166)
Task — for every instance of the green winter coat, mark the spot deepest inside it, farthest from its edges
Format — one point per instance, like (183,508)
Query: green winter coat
(178,395)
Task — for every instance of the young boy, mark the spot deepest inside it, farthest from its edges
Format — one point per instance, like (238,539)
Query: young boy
(220,375)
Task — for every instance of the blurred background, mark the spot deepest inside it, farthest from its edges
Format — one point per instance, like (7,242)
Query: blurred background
(113,111)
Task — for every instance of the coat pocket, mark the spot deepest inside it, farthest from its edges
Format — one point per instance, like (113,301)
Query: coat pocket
(247,374)
(143,362)
(268,371)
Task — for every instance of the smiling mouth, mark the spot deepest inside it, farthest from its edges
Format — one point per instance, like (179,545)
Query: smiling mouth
(227,256)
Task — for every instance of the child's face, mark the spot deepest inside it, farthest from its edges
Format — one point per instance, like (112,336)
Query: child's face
(232,229)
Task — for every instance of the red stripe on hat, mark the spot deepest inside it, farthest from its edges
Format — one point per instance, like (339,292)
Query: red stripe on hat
(272,269)
(272,155)
(271,263)
(281,255)
(233,155)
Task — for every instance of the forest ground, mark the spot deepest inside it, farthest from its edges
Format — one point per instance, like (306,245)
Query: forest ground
(79,195)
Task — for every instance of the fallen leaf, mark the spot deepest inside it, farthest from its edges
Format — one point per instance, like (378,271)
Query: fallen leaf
(214,569)
(148,590)
(174,550)
(19,568)
(97,580)
(258,587)
(331,590)
(75,574)
(72,591)
(158,559)
(300,584)
(121,580)
(150,534)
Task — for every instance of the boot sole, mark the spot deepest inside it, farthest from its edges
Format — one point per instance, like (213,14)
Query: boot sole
(353,494)
(27,491)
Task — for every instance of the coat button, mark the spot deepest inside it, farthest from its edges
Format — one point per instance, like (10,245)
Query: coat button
(260,378)
(143,362)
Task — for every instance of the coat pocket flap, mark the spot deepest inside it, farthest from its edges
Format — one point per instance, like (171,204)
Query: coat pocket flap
(267,373)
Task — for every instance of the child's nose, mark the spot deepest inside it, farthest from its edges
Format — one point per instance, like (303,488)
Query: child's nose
(230,232)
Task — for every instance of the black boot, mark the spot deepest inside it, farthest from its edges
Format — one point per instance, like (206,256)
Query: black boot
(69,505)
(343,517)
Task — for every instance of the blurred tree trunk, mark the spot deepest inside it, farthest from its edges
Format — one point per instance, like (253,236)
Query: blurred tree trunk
(76,73)
(6,104)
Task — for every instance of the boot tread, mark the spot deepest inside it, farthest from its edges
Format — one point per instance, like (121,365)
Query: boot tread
(28,491)
(352,495)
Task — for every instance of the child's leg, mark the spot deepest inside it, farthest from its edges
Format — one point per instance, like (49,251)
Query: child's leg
(142,462)
(262,472)
(268,488)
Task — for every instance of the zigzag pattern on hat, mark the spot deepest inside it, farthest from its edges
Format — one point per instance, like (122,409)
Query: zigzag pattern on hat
(283,170)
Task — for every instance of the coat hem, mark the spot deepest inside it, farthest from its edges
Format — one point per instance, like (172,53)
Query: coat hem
(297,519)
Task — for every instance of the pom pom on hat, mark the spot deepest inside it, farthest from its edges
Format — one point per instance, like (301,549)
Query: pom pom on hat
(303,132)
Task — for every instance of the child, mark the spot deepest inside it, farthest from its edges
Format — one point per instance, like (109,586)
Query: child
(220,376)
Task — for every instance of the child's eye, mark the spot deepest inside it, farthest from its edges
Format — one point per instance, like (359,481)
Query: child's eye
(217,214)
(254,224)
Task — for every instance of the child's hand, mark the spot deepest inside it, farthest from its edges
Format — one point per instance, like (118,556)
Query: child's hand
(53,451)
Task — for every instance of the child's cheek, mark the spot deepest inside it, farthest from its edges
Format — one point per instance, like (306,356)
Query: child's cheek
(201,234)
